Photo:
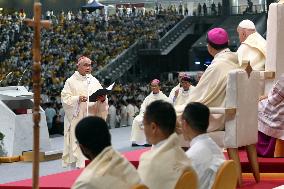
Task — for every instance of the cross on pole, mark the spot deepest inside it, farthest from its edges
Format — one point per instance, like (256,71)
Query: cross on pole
(36,23)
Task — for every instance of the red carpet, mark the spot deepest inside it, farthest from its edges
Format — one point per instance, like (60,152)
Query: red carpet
(66,179)
(56,181)
(266,165)
(267,181)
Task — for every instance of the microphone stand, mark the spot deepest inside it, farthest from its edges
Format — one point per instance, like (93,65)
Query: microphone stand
(22,77)
(6,77)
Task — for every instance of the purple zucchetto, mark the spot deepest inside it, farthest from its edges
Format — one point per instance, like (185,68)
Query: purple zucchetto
(218,36)
(155,82)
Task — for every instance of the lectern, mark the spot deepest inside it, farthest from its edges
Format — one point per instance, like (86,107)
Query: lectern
(16,121)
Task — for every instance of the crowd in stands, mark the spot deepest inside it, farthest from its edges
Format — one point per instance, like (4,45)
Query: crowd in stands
(9,29)
(71,35)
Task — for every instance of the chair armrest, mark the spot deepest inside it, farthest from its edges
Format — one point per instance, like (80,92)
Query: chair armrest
(226,111)
(264,75)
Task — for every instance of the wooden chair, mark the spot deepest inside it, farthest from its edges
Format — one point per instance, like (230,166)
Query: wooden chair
(226,176)
(279,148)
(188,180)
(139,186)
(241,125)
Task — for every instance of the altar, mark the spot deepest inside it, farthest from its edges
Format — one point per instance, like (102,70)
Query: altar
(16,121)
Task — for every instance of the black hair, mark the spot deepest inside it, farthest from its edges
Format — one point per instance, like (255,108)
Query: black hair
(163,114)
(197,116)
(92,132)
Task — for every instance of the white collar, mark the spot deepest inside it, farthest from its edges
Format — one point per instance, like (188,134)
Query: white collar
(159,144)
(197,138)
(222,51)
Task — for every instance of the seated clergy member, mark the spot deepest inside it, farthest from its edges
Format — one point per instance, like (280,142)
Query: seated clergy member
(253,45)
(206,156)
(186,88)
(108,169)
(211,89)
(162,166)
(137,133)
(271,119)
(177,88)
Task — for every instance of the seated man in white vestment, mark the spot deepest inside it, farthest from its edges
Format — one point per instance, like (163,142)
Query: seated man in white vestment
(181,95)
(74,97)
(211,89)
(137,133)
(206,156)
(108,168)
(162,166)
(177,88)
(253,45)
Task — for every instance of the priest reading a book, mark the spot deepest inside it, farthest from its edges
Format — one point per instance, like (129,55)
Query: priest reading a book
(77,105)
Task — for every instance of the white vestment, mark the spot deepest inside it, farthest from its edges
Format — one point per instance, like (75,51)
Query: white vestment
(130,114)
(108,170)
(211,88)
(206,158)
(253,49)
(162,166)
(75,86)
(182,97)
(172,93)
(123,116)
(137,133)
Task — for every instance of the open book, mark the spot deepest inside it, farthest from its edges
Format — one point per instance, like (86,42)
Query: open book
(100,92)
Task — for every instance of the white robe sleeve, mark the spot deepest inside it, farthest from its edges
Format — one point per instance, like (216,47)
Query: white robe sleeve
(70,102)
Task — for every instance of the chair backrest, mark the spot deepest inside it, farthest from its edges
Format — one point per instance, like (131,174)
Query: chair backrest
(226,176)
(242,93)
(188,180)
(139,186)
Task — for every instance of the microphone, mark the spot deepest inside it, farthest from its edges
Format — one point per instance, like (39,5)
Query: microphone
(7,76)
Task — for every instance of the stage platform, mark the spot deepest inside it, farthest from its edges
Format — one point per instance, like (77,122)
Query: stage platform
(66,179)
(266,165)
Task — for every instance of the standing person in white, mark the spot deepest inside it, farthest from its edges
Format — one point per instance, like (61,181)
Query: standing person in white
(50,113)
(123,114)
(111,115)
(75,102)
(137,133)
(253,45)
(130,112)
(206,156)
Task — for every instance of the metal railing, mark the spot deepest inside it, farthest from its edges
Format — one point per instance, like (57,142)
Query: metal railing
(168,38)
(245,9)
(118,66)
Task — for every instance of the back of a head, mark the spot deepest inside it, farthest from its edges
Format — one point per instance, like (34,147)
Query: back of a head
(92,132)
(197,116)
(218,38)
(247,24)
(163,114)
